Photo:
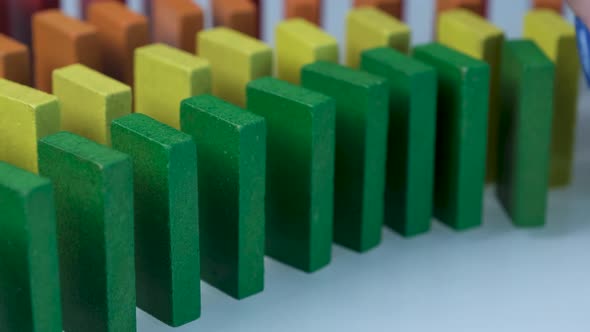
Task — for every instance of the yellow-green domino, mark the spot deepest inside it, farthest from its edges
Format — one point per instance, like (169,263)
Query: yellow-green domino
(164,76)
(236,59)
(368,27)
(299,43)
(473,35)
(26,115)
(557,38)
(90,101)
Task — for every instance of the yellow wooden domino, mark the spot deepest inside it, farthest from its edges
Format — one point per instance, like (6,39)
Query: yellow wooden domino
(299,43)
(164,76)
(471,34)
(26,115)
(557,39)
(236,59)
(368,27)
(90,101)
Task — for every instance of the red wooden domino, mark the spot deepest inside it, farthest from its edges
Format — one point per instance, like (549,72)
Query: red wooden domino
(176,23)
(240,15)
(392,7)
(307,9)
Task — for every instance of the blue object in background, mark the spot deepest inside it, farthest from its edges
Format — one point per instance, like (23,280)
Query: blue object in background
(583,36)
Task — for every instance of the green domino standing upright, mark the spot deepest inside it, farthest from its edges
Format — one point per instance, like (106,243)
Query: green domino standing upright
(299,171)
(362,102)
(166,217)
(525,124)
(461,134)
(94,204)
(29,275)
(231,155)
(411,138)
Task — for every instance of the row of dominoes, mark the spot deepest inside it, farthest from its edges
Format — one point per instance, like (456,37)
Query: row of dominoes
(139,207)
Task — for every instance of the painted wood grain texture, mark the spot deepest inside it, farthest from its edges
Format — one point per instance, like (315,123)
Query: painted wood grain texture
(362,117)
(394,8)
(525,123)
(299,171)
(120,32)
(26,115)
(164,76)
(236,59)
(20,16)
(176,23)
(93,188)
(60,40)
(90,101)
(14,61)
(307,9)
(473,35)
(232,159)
(461,134)
(29,282)
(298,43)
(557,39)
(167,262)
(370,27)
(240,15)
(411,138)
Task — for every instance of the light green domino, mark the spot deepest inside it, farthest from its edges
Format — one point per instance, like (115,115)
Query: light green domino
(90,101)
(164,76)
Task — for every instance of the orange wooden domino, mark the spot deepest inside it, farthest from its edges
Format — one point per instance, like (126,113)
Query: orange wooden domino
(120,32)
(87,3)
(60,40)
(240,15)
(556,5)
(307,9)
(176,23)
(477,6)
(14,61)
(392,7)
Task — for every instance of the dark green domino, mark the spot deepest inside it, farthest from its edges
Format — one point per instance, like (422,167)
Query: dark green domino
(94,202)
(29,275)
(166,217)
(231,154)
(299,171)
(525,124)
(463,86)
(361,136)
(411,138)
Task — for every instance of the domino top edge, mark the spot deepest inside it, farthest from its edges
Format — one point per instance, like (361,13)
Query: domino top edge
(222,110)
(235,40)
(19,180)
(471,21)
(377,19)
(91,79)
(295,93)
(24,94)
(172,56)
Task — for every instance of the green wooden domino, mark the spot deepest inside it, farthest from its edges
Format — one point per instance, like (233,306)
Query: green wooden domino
(362,102)
(461,134)
(299,171)
(525,123)
(166,217)
(411,139)
(231,154)
(94,203)
(29,275)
